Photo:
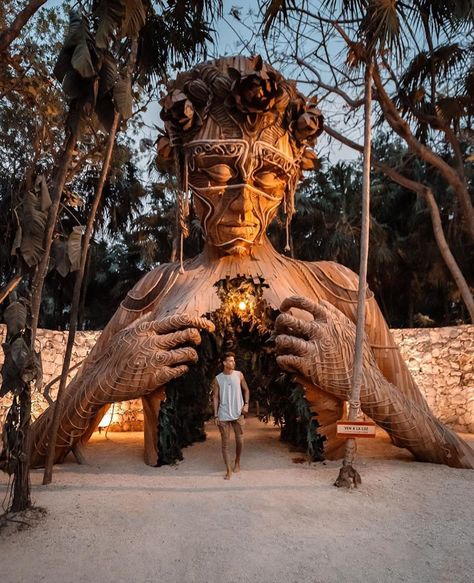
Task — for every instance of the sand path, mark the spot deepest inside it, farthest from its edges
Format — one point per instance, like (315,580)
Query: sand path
(117,520)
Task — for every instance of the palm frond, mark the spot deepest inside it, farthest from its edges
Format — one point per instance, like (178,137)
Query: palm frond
(442,61)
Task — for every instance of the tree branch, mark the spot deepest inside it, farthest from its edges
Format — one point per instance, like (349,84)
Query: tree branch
(11,33)
(355,103)
(11,285)
(401,127)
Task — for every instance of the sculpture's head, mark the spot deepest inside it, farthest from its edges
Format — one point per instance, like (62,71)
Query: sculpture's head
(240,135)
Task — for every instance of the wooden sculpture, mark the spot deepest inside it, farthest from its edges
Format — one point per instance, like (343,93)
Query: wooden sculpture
(240,135)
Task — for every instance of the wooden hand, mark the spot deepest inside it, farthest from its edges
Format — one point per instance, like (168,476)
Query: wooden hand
(321,351)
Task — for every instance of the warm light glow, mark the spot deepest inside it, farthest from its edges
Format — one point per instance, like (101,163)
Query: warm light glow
(242,305)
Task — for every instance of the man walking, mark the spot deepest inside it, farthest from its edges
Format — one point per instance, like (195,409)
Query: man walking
(229,409)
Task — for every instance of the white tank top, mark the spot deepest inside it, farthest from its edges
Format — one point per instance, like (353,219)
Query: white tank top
(230,396)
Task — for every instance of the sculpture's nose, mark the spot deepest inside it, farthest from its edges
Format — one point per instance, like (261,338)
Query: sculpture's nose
(242,205)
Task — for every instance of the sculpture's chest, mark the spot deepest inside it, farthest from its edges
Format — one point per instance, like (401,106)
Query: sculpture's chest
(195,291)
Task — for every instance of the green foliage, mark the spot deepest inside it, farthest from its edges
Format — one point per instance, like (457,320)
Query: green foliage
(74,247)
(186,408)
(230,317)
(434,89)
(88,71)
(123,98)
(126,18)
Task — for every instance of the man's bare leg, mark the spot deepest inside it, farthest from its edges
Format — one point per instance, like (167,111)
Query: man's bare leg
(224,431)
(239,443)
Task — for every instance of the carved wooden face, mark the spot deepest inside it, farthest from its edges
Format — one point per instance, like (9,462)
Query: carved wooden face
(237,187)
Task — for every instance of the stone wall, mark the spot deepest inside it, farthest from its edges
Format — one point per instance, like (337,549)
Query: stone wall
(440,359)
(126,416)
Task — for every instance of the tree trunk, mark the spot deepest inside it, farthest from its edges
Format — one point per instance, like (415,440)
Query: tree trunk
(451,175)
(21,484)
(348,476)
(48,473)
(82,305)
(411,305)
(445,251)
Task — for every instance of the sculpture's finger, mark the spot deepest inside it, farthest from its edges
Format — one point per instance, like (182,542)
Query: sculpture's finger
(288,324)
(185,354)
(172,339)
(303,304)
(157,358)
(290,362)
(180,321)
(289,344)
(169,373)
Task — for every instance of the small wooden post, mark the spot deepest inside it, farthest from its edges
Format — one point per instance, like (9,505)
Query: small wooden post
(348,476)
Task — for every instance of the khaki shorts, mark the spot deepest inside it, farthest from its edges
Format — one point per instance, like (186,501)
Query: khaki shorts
(237,424)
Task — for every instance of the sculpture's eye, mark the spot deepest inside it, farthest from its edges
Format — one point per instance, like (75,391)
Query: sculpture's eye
(269,181)
(219,173)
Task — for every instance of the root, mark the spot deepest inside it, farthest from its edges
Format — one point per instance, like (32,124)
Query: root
(348,478)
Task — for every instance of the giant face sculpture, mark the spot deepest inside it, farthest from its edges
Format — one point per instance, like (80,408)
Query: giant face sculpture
(239,134)
(237,188)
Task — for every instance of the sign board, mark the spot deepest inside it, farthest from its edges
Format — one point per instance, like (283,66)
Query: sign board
(356,429)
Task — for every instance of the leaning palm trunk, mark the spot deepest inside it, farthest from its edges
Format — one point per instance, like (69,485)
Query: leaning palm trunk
(348,476)
(48,473)
(60,180)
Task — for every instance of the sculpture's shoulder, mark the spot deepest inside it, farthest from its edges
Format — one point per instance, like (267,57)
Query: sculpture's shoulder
(149,287)
(338,283)
(137,301)
(335,275)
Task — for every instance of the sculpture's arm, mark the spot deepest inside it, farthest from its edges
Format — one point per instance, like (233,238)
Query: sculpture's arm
(322,353)
(137,360)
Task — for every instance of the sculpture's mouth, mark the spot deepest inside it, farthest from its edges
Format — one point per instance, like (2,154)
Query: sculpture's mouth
(237,225)
(245,230)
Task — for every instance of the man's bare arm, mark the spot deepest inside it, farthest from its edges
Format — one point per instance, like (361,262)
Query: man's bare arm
(215,396)
(246,392)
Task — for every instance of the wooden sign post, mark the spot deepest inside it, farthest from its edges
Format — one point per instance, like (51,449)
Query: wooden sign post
(355,429)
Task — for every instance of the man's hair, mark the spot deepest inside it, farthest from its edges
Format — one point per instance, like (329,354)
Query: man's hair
(227,354)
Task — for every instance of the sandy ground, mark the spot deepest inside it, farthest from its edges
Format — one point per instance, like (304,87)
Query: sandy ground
(117,520)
